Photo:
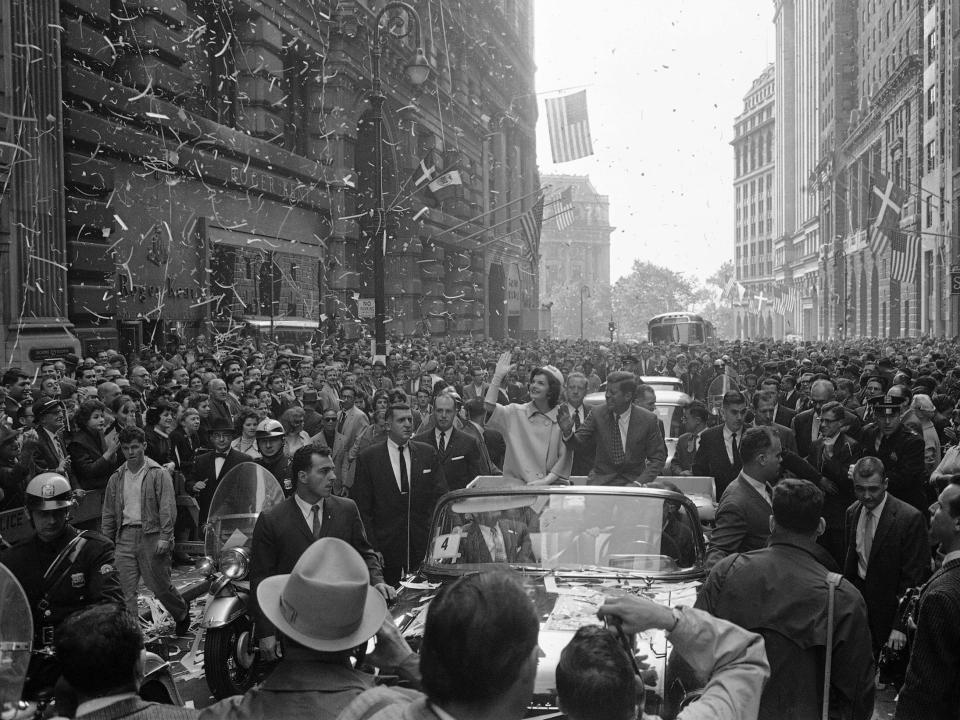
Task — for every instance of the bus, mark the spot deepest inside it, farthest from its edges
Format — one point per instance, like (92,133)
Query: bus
(680,327)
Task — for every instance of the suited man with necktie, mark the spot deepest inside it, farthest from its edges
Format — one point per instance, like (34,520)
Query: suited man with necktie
(743,515)
(460,455)
(396,486)
(695,418)
(887,550)
(351,421)
(283,532)
(575,391)
(718,455)
(629,444)
(806,424)
(50,454)
(210,467)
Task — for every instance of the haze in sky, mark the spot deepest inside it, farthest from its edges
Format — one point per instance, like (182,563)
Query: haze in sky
(664,82)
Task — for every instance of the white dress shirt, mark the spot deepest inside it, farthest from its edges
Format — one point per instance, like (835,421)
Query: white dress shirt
(393,450)
(861,525)
(307,510)
(575,412)
(762,488)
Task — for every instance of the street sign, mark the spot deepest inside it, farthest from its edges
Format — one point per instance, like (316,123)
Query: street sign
(366,308)
(954,281)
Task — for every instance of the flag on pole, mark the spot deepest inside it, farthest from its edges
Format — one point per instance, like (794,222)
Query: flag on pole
(886,206)
(446,180)
(569,127)
(530,223)
(563,210)
(904,253)
(778,301)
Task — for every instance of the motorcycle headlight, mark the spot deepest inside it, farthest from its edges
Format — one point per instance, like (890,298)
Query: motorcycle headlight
(235,563)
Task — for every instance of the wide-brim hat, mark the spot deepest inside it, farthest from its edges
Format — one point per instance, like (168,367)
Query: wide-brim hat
(222,424)
(327,602)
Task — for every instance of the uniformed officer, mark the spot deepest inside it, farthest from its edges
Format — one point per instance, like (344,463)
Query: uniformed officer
(60,568)
(270,442)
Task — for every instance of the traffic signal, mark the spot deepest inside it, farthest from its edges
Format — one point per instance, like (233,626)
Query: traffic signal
(611,326)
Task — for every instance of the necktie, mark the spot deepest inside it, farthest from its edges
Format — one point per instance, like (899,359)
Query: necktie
(815,428)
(315,525)
(576,419)
(59,447)
(341,421)
(404,481)
(769,493)
(736,450)
(499,549)
(442,443)
(868,526)
(618,455)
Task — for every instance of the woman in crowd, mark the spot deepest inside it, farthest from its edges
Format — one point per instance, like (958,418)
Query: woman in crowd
(185,440)
(93,459)
(296,437)
(160,421)
(245,441)
(536,453)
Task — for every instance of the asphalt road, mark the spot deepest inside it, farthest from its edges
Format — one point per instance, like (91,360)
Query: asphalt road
(186,653)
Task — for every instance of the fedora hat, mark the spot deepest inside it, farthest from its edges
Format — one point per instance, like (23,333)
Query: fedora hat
(222,424)
(326,603)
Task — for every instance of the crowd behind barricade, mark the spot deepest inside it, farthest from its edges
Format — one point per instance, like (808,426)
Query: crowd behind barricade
(870,428)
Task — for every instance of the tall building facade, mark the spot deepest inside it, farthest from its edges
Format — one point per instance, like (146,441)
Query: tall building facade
(754,153)
(194,167)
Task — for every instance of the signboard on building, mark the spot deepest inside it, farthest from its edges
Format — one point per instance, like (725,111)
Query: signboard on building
(366,308)
(955,279)
(514,289)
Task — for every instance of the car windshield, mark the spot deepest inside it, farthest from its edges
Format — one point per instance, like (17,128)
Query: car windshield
(570,531)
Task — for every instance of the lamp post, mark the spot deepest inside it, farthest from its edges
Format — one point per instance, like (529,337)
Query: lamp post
(400,25)
(583,288)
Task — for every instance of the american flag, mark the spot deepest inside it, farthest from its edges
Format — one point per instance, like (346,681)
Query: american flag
(563,210)
(569,127)
(530,224)
(904,253)
(886,206)
(778,301)
(790,301)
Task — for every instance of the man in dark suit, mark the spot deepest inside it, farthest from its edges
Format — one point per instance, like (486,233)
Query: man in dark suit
(488,538)
(576,391)
(396,485)
(284,531)
(493,441)
(718,455)
(900,450)
(782,415)
(629,446)
(743,515)
(50,454)
(460,455)
(806,424)
(210,467)
(833,454)
(931,688)
(695,419)
(790,392)
(887,550)
(764,414)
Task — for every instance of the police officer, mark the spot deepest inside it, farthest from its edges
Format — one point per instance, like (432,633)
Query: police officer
(270,442)
(60,568)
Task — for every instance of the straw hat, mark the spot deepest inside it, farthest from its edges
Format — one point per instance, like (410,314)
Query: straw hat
(326,603)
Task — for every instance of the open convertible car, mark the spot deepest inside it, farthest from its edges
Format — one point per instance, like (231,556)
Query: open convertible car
(573,547)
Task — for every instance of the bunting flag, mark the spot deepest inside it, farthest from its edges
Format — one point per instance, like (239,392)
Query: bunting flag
(886,206)
(563,210)
(569,127)
(904,253)
(530,223)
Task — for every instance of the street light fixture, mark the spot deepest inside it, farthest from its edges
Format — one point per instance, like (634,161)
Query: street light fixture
(400,25)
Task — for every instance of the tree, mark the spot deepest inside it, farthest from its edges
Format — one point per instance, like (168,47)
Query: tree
(650,290)
(718,309)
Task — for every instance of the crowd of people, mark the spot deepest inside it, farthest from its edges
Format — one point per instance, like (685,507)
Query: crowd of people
(835,465)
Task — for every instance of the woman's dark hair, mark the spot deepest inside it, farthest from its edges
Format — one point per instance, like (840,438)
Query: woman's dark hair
(380,394)
(119,401)
(86,410)
(554,389)
(242,417)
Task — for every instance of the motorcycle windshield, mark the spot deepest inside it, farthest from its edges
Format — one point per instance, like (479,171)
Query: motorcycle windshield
(244,492)
(16,637)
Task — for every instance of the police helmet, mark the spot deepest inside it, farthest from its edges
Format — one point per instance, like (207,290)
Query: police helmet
(48,491)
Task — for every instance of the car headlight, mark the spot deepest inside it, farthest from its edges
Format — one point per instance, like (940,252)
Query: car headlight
(235,563)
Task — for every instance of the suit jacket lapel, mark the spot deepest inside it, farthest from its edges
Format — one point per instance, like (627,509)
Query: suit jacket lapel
(297,519)
(887,519)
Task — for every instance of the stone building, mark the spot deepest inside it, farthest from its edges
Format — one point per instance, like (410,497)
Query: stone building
(188,166)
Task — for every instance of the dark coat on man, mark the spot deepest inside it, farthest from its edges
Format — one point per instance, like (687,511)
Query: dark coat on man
(742,522)
(902,458)
(749,590)
(282,534)
(712,460)
(932,687)
(204,468)
(836,469)
(803,428)
(645,451)
(398,524)
(899,559)
(516,543)
(461,461)
(584,454)
(784,415)
(45,455)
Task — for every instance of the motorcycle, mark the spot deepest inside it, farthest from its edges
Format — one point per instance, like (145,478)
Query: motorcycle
(229,655)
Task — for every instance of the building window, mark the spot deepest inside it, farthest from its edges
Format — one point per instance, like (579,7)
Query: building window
(931,101)
(932,47)
(928,220)
(931,155)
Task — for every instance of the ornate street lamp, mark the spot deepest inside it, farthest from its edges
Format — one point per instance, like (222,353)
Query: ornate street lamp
(403,22)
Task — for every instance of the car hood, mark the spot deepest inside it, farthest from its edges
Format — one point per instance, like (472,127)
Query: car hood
(563,602)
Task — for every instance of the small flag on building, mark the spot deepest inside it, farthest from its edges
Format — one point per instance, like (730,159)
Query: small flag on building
(904,253)
(778,301)
(446,180)
(530,224)
(790,301)
(563,211)
(886,206)
(569,127)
